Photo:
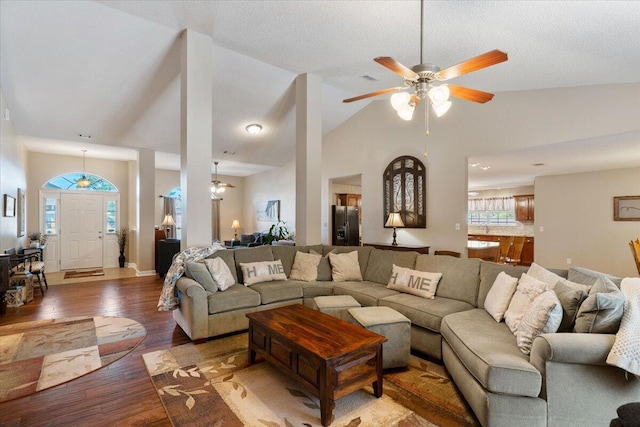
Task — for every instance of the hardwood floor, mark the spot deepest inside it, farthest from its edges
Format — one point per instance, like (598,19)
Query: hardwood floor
(120,394)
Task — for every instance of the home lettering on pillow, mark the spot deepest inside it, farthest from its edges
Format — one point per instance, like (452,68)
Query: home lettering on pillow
(265,271)
(415,282)
(271,270)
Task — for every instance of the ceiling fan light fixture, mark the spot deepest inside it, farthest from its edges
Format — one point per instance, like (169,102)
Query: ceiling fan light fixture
(439,94)
(441,108)
(406,112)
(254,128)
(400,100)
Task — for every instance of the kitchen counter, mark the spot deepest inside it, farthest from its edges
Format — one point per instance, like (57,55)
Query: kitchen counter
(487,251)
(526,258)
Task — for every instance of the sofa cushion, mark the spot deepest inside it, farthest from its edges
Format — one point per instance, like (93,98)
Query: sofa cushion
(415,282)
(488,350)
(264,271)
(324,266)
(236,297)
(363,254)
(366,293)
(551,278)
(316,289)
(500,295)
(246,255)
(488,273)
(460,276)
(286,254)
(345,267)
(199,272)
(228,256)
(528,289)
(381,262)
(305,267)
(589,277)
(426,313)
(602,310)
(277,291)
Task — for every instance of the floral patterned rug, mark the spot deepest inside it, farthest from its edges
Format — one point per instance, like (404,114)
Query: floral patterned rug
(45,353)
(211,384)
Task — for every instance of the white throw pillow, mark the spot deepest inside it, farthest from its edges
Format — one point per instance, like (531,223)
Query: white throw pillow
(543,316)
(305,267)
(415,282)
(528,289)
(551,278)
(220,272)
(264,271)
(500,295)
(345,267)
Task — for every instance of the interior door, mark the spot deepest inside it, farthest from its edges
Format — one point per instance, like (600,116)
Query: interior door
(80,231)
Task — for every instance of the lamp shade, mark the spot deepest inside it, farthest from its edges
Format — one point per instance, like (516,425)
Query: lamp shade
(236,224)
(394,220)
(168,220)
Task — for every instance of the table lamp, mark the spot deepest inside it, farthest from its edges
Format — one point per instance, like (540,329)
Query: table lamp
(235,225)
(394,221)
(168,222)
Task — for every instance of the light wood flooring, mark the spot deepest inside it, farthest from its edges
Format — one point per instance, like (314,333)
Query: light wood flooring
(120,394)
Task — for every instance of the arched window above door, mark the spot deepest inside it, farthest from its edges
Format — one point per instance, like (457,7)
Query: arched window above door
(404,186)
(69,181)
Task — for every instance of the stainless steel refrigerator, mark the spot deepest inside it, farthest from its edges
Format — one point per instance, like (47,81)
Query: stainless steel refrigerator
(346,226)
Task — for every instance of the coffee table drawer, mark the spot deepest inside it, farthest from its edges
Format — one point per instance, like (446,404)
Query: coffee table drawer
(281,352)
(259,338)
(309,370)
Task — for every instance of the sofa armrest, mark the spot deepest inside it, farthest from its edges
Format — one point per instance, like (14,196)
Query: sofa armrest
(586,349)
(193,312)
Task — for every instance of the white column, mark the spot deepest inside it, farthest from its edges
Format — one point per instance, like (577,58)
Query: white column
(145,219)
(308,159)
(196,109)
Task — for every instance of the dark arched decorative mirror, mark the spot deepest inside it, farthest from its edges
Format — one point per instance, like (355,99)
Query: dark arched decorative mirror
(404,186)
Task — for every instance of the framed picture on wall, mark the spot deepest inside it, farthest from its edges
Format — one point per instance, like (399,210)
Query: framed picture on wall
(268,211)
(626,208)
(22,219)
(9,205)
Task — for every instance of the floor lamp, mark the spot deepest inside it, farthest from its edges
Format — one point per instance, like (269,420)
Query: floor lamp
(168,222)
(394,221)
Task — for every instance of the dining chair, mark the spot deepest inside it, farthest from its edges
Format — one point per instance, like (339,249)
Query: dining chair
(635,250)
(503,249)
(514,255)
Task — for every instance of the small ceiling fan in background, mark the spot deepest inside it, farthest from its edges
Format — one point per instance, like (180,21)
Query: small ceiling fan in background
(217,186)
(425,80)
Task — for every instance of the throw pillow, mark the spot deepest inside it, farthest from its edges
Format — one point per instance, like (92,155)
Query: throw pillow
(345,267)
(570,300)
(220,272)
(589,277)
(324,267)
(528,289)
(415,282)
(551,278)
(500,295)
(305,267)
(543,316)
(200,273)
(602,311)
(263,271)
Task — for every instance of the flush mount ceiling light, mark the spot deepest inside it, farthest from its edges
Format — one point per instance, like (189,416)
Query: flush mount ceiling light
(254,128)
(83,182)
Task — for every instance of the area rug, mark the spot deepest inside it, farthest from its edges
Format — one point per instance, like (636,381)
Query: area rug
(74,274)
(211,384)
(41,354)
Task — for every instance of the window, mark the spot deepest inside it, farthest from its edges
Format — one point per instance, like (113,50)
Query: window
(50,215)
(68,182)
(491,211)
(404,186)
(111,216)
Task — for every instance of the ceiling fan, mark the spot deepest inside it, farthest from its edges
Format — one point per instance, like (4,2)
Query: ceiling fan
(425,80)
(217,186)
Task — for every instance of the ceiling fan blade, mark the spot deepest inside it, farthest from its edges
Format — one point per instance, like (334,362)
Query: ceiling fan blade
(372,94)
(396,67)
(474,64)
(470,94)
(224,184)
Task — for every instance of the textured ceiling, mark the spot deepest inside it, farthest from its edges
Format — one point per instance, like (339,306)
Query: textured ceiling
(111,68)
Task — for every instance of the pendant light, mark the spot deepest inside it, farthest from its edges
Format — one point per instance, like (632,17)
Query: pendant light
(84,181)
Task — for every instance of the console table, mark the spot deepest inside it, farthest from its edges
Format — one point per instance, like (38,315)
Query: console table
(421,249)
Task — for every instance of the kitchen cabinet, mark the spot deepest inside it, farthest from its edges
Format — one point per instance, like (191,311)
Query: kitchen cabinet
(348,199)
(524,207)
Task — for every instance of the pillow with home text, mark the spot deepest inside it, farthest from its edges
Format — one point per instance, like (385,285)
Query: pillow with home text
(264,271)
(415,282)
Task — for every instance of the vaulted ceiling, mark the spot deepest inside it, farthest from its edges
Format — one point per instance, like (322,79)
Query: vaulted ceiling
(110,69)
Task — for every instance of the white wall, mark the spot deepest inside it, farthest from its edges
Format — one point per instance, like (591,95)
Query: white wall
(13,160)
(368,141)
(277,184)
(576,211)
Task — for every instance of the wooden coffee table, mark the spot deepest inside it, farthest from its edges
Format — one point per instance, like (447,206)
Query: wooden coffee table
(328,356)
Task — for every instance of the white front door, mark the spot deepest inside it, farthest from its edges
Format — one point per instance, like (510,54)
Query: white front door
(81,233)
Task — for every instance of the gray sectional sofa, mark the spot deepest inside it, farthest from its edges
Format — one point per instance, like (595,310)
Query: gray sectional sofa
(563,382)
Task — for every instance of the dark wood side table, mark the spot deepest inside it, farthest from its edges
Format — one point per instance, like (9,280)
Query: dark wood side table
(421,249)
(167,248)
(306,345)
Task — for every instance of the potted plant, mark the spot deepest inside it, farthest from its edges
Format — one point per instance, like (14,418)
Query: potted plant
(277,231)
(34,238)
(123,235)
